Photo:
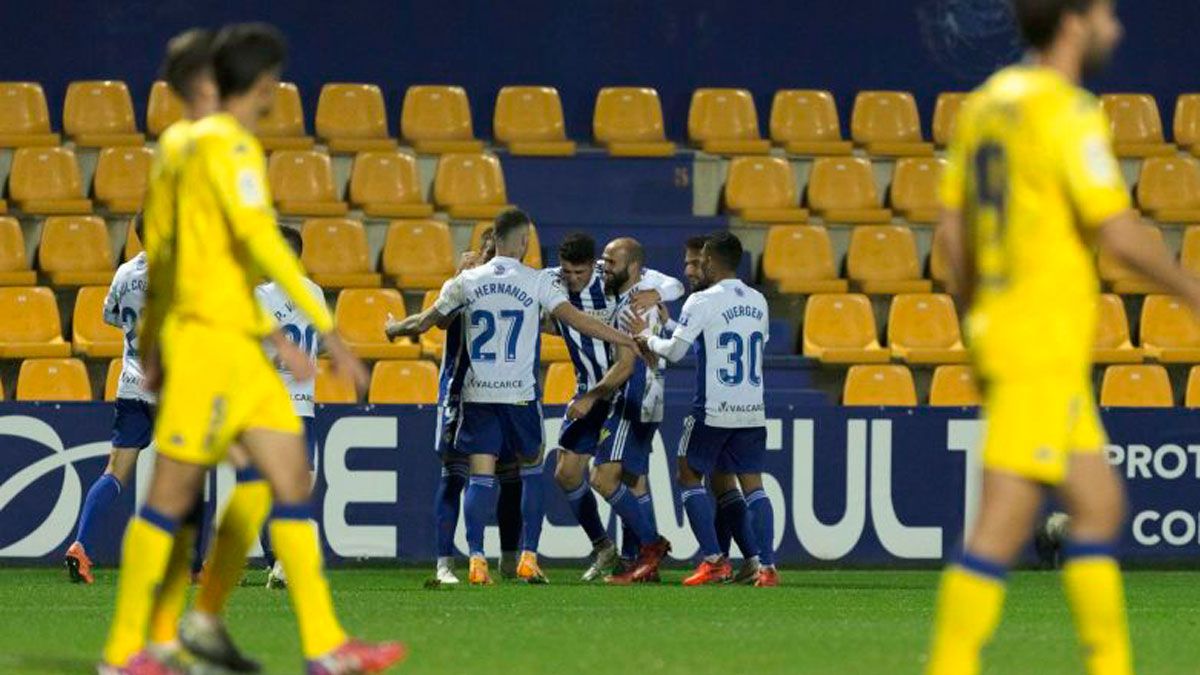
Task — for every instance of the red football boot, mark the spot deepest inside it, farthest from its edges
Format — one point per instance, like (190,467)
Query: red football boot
(645,569)
(768,577)
(710,573)
(357,658)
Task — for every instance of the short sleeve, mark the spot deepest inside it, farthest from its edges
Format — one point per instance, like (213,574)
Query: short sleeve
(691,319)
(111,312)
(1090,169)
(550,291)
(452,298)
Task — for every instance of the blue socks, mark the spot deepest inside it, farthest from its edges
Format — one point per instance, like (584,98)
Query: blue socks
(445,502)
(479,505)
(533,506)
(731,514)
(99,499)
(508,509)
(647,505)
(700,516)
(762,515)
(584,506)
(627,507)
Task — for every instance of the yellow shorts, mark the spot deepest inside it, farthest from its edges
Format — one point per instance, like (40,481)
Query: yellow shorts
(218,383)
(1034,426)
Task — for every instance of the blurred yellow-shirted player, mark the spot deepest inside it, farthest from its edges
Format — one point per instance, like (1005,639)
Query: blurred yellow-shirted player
(1030,188)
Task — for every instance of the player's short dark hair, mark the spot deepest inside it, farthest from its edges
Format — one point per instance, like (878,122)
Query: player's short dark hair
(292,236)
(509,221)
(243,52)
(1039,20)
(726,248)
(577,248)
(189,55)
(696,243)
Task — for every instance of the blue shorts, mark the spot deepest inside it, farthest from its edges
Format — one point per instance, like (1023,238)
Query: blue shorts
(709,449)
(628,442)
(583,435)
(449,417)
(251,473)
(133,424)
(509,431)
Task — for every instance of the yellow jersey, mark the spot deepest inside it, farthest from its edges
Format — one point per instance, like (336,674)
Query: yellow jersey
(1032,171)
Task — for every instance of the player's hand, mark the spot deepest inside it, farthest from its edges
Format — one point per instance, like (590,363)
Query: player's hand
(152,370)
(634,323)
(664,315)
(645,300)
(466,261)
(392,328)
(293,358)
(642,344)
(345,363)
(580,406)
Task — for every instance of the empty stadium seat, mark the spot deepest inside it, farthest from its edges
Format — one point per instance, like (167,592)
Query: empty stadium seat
(842,190)
(336,254)
(99,113)
(351,117)
(1192,397)
(386,185)
(112,380)
(879,385)
(923,328)
(283,127)
(90,335)
(302,184)
(945,115)
(886,123)
(1136,386)
(361,316)
(529,120)
(799,259)
(418,254)
(436,119)
(329,387)
(121,177)
(954,386)
(882,260)
(1187,122)
(31,327)
(1136,125)
(163,109)
(805,122)
(763,190)
(133,245)
(470,186)
(628,122)
(433,341)
(46,181)
(533,255)
(404,382)
(1118,277)
(939,267)
(724,122)
(24,117)
(554,349)
(1169,332)
(53,380)
(1168,189)
(1189,250)
(75,251)
(560,384)
(914,190)
(840,328)
(1113,344)
(14,264)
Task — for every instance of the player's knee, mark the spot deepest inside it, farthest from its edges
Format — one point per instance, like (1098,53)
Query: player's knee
(567,474)
(604,480)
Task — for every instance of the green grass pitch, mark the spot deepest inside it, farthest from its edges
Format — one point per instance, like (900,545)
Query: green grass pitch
(817,623)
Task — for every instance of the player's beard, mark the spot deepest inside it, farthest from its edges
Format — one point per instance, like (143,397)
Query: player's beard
(615,281)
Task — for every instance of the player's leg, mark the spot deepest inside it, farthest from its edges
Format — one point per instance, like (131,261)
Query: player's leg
(276,576)
(508,515)
(699,448)
(571,475)
(761,521)
(745,456)
(447,500)
(627,450)
(731,507)
(640,486)
(480,437)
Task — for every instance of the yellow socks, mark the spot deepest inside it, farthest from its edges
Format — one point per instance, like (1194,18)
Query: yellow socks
(164,621)
(968,611)
(237,531)
(144,556)
(294,539)
(1092,581)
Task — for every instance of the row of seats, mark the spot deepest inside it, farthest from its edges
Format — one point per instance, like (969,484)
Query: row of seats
(352,117)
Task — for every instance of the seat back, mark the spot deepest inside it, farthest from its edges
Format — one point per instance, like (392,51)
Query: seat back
(798,252)
(362,313)
(286,117)
(628,115)
(404,382)
(883,253)
(760,182)
(351,110)
(112,380)
(301,175)
(385,178)
(329,387)
(839,321)
(469,179)
(528,114)
(1168,323)
(87,318)
(923,321)
(98,107)
(1189,250)
(53,380)
(560,384)
(1136,386)
(335,246)
(422,247)
(12,246)
(1169,183)
(436,113)
(163,109)
(885,117)
(1187,119)
(44,173)
(122,173)
(879,385)
(954,386)
(842,183)
(30,316)
(915,183)
(722,114)
(804,115)
(1112,323)
(75,244)
(1134,118)
(23,108)
(945,116)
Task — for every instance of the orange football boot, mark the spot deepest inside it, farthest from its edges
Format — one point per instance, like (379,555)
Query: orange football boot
(710,573)
(79,565)
(479,575)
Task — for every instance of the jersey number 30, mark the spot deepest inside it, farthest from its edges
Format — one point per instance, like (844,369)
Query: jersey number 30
(485,322)
(745,361)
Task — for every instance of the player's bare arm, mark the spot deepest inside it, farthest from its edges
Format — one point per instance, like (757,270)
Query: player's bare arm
(613,379)
(1121,237)
(292,357)
(415,325)
(570,315)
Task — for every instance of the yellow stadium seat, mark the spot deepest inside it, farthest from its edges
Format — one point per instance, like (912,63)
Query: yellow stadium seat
(840,328)
(436,119)
(361,315)
(470,186)
(90,336)
(121,176)
(554,349)
(418,254)
(954,386)
(404,382)
(46,181)
(879,385)
(1192,398)
(914,188)
(923,328)
(887,124)
(805,122)
(560,384)
(529,120)
(939,267)
(302,184)
(1169,332)
(533,255)
(799,259)
(1113,344)
(112,380)
(133,245)
(1136,125)
(53,380)
(763,190)
(1118,277)
(163,109)
(433,341)
(1169,189)
(336,255)
(945,114)
(331,388)
(99,113)
(1136,386)
(628,122)
(24,117)
(351,117)
(1189,250)
(31,327)
(386,185)
(724,122)
(842,190)
(1187,122)
(283,127)
(882,260)
(75,251)
(14,265)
